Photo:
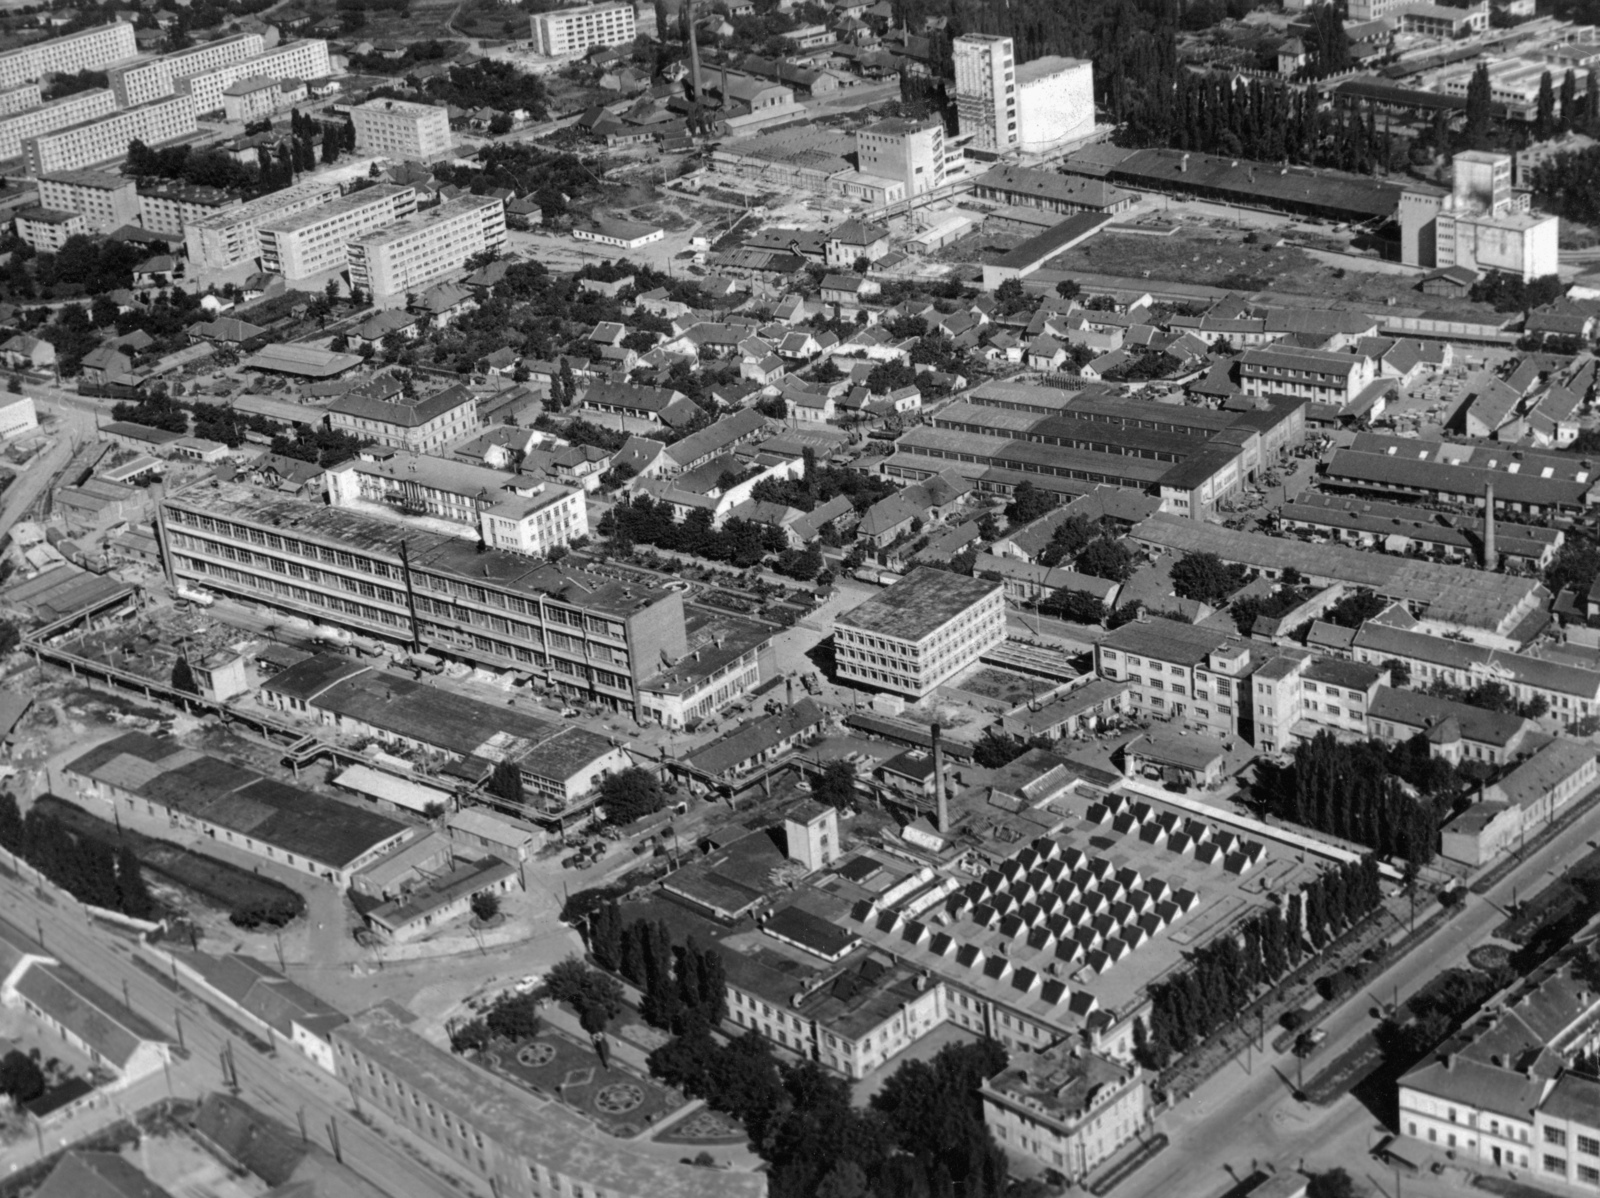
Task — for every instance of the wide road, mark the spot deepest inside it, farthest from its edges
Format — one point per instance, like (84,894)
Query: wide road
(1237,1117)
(286,1086)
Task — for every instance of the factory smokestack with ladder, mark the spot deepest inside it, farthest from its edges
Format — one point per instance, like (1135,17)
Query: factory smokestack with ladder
(939,799)
(1491,559)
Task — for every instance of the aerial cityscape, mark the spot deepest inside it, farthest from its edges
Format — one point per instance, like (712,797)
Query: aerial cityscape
(800,599)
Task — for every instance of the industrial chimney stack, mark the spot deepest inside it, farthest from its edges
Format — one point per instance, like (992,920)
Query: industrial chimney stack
(694,62)
(1491,560)
(938,781)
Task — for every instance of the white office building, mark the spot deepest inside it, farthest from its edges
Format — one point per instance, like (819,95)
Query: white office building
(911,152)
(92,50)
(296,60)
(574,30)
(401,129)
(152,78)
(60,114)
(314,242)
(406,257)
(228,238)
(107,139)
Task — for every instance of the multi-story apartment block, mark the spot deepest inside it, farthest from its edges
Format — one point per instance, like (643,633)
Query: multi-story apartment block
(525,1145)
(152,78)
(174,207)
(594,639)
(381,411)
(312,242)
(986,90)
(401,129)
(516,513)
(912,152)
(21,98)
(574,30)
(104,201)
(107,138)
(409,255)
(921,631)
(1066,1108)
(227,238)
(59,114)
(294,60)
(92,50)
(259,96)
(47,229)
(1318,375)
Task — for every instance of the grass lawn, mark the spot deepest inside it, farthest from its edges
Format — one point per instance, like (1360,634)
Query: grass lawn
(618,1100)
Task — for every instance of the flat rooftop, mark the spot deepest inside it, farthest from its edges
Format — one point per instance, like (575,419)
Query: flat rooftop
(921,602)
(371,196)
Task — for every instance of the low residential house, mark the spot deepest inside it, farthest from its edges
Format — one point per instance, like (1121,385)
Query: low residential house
(375,328)
(755,744)
(1046,353)
(657,303)
(849,291)
(767,370)
(713,441)
(838,511)
(226,330)
(501,448)
(1562,320)
(653,405)
(1106,364)
(22,352)
(853,240)
(808,406)
(640,457)
(157,271)
(503,362)
(441,304)
(1452,281)
(1491,404)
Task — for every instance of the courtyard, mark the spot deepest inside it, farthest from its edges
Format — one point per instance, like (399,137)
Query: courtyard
(620,1102)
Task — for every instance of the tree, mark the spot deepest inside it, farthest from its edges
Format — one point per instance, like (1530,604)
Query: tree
(630,794)
(1204,576)
(1028,503)
(183,677)
(1335,1183)
(10,637)
(836,786)
(1011,297)
(10,823)
(1108,559)
(133,896)
(595,996)
(21,1079)
(506,781)
(1068,289)
(1355,610)
(1399,672)
(1078,606)
(1480,108)
(485,905)
(1544,120)
(515,1017)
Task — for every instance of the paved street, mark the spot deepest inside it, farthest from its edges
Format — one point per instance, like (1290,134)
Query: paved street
(1237,1117)
(285,1085)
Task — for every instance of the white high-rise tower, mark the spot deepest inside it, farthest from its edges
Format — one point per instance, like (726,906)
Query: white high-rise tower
(986,90)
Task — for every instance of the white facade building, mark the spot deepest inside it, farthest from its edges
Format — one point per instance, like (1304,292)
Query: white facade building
(407,256)
(251,99)
(104,200)
(312,242)
(17,417)
(107,139)
(401,129)
(21,98)
(919,632)
(1481,224)
(986,90)
(61,114)
(152,78)
(296,60)
(229,238)
(911,152)
(91,50)
(1056,101)
(574,30)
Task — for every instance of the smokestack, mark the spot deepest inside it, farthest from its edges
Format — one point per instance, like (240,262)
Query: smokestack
(938,781)
(1491,560)
(694,58)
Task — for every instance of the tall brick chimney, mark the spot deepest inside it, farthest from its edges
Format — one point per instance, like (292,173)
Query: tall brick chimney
(938,780)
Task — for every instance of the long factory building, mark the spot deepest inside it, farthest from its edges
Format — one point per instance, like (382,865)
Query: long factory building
(1194,459)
